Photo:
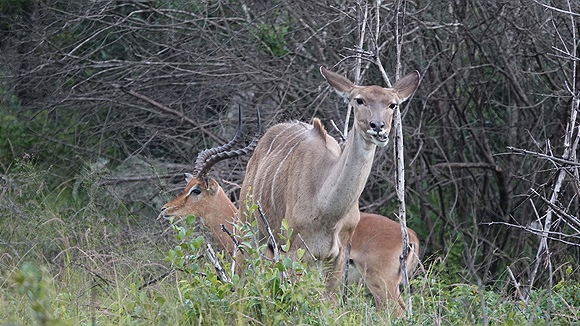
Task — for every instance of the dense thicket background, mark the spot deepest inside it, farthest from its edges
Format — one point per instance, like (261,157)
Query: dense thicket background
(130,91)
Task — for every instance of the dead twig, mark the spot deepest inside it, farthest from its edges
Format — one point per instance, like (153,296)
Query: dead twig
(236,242)
(307,248)
(216,264)
(547,157)
(156,279)
(270,235)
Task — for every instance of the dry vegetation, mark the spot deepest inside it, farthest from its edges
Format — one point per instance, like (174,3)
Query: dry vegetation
(104,105)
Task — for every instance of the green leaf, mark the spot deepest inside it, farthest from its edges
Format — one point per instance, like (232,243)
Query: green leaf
(280,266)
(181,234)
(197,242)
(300,253)
(160,300)
(189,220)
(285,247)
(287,261)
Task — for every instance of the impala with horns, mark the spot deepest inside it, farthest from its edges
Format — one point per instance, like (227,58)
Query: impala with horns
(202,192)
(300,173)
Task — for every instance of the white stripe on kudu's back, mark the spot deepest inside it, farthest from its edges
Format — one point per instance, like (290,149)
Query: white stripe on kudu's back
(273,184)
(278,150)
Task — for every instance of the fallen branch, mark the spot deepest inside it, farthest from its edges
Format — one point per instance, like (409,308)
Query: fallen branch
(270,235)
(157,279)
(236,242)
(216,264)
(166,109)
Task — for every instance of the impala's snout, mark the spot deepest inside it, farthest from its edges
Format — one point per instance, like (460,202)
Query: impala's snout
(164,214)
(161,213)
(379,133)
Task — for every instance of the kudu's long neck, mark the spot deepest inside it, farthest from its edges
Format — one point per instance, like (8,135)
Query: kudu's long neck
(346,180)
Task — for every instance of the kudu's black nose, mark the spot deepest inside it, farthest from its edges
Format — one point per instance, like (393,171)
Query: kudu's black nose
(376,125)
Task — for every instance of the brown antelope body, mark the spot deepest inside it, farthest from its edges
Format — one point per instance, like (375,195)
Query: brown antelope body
(376,247)
(300,173)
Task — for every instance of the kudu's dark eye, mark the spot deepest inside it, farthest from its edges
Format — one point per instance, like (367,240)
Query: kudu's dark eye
(392,106)
(359,101)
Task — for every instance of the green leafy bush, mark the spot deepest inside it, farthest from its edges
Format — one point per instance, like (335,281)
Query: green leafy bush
(77,261)
(284,291)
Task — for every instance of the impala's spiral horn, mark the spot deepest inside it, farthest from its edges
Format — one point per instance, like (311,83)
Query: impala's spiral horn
(208,158)
(205,154)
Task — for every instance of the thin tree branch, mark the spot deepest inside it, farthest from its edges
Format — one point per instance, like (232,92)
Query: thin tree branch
(216,264)
(168,110)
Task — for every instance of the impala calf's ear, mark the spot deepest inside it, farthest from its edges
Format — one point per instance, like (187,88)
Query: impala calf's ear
(407,85)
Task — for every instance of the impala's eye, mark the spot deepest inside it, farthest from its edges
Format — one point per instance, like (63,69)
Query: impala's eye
(359,101)
(194,191)
(392,106)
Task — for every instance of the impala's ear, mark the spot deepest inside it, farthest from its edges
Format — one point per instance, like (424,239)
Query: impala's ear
(188,177)
(407,85)
(213,187)
(341,84)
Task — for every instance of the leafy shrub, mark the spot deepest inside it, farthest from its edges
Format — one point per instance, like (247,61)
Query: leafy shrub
(32,285)
(284,291)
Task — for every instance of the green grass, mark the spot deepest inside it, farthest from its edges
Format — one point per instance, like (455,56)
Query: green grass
(73,256)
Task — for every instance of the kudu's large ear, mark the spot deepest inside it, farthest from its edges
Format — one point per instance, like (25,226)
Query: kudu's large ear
(341,84)
(188,177)
(407,85)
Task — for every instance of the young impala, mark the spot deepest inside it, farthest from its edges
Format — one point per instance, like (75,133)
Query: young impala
(376,247)
(300,173)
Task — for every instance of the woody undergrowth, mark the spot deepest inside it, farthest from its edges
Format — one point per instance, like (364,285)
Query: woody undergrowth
(71,255)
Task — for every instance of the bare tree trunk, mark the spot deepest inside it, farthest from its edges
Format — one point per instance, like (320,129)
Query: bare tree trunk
(400,159)
(570,147)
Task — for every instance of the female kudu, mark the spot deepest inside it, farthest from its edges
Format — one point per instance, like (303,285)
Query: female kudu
(300,173)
